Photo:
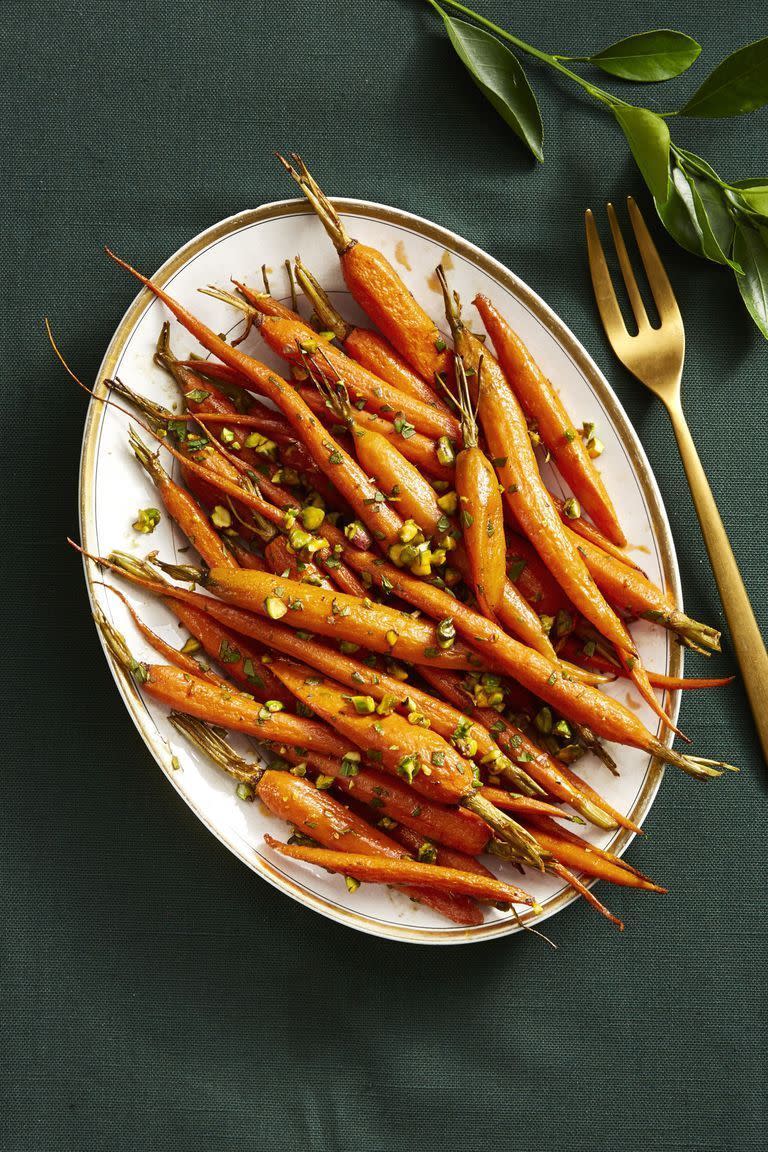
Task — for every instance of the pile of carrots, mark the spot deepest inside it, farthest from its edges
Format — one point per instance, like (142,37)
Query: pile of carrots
(389,599)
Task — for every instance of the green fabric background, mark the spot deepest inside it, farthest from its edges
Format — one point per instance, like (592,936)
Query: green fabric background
(155,994)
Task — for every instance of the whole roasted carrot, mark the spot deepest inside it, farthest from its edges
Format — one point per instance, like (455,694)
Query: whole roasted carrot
(333,614)
(359,677)
(525,805)
(377,288)
(541,402)
(363,345)
(577,853)
(290,338)
(481,513)
(659,680)
(634,593)
(184,509)
(507,434)
(380,870)
(219,705)
(318,815)
(413,751)
(438,853)
(393,798)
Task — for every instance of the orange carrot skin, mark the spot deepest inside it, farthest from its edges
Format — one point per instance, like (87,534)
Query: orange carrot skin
(246,558)
(190,517)
(452,827)
(416,498)
(607,718)
(379,357)
(446,857)
(592,533)
(241,661)
(535,581)
(383,296)
(443,774)
(338,616)
(525,805)
(583,859)
(625,586)
(315,812)
(233,710)
(657,679)
(507,435)
(543,404)
(381,870)
(481,516)
(282,336)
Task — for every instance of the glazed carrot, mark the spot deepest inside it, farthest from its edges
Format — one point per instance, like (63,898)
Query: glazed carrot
(584,858)
(401,748)
(507,434)
(420,450)
(411,750)
(525,805)
(554,777)
(533,579)
(437,853)
(332,460)
(222,706)
(631,591)
(313,811)
(380,870)
(448,721)
(173,655)
(184,509)
(247,558)
(455,828)
(377,288)
(589,531)
(290,338)
(283,562)
(336,615)
(481,513)
(241,660)
(542,403)
(363,345)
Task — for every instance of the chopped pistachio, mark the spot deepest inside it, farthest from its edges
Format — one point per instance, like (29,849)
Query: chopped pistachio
(244,791)
(572,508)
(190,645)
(445,451)
(324,782)
(221,516)
(312,517)
(147,520)
(275,607)
(352,883)
(392,637)
(363,705)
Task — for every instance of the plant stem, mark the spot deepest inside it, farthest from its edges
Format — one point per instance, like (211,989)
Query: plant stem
(545,57)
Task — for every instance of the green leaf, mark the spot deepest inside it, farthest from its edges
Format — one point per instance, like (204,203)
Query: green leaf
(678,214)
(648,137)
(738,85)
(754,193)
(750,248)
(649,56)
(499,77)
(711,207)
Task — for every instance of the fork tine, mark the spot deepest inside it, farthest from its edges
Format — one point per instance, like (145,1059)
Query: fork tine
(658,281)
(635,299)
(607,304)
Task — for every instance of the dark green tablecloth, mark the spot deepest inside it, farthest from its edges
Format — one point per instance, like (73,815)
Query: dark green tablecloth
(155,994)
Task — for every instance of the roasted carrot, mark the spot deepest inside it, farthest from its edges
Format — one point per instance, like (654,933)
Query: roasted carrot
(633,592)
(541,403)
(584,857)
(363,345)
(525,805)
(507,435)
(533,579)
(555,778)
(438,854)
(183,508)
(577,523)
(428,762)
(380,870)
(585,654)
(312,811)
(241,660)
(377,288)
(290,338)
(480,509)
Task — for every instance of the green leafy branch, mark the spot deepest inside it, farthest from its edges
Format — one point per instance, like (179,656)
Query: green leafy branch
(726,223)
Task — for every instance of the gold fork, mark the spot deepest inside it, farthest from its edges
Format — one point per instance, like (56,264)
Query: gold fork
(655,356)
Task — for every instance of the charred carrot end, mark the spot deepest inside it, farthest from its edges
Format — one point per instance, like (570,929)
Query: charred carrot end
(380,870)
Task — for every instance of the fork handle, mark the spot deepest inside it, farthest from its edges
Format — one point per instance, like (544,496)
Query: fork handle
(745,633)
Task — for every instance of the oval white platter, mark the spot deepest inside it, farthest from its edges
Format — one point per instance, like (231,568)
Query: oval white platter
(113,488)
